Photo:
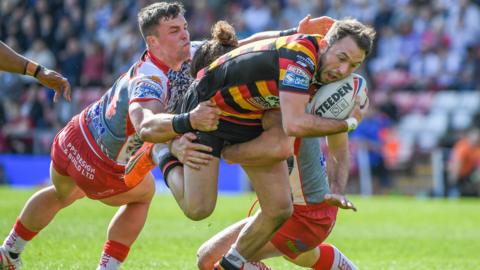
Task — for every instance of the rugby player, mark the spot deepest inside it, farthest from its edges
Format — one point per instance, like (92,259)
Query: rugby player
(89,154)
(243,84)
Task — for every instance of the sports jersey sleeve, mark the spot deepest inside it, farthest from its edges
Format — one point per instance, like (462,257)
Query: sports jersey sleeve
(148,88)
(297,64)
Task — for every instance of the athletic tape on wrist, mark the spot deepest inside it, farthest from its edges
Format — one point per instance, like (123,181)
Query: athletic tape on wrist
(352,123)
(181,123)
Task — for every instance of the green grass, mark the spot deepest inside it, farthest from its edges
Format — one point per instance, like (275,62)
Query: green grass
(386,233)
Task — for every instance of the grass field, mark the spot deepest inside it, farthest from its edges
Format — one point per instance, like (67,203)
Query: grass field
(386,233)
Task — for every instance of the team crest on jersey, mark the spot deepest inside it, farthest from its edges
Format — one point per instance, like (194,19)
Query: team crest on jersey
(148,89)
(265,103)
(305,62)
(296,77)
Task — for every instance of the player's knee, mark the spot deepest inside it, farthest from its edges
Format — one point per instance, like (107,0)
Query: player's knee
(284,150)
(281,149)
(198,212)
(204,262)
(279,215)
(65,199)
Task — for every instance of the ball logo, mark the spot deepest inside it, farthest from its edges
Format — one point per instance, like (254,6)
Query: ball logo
(336,102)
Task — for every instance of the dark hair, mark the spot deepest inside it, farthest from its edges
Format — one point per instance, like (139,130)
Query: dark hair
(150,16)
(224,39)
(363,35)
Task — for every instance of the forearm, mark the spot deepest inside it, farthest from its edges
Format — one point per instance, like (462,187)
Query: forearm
(259,36)
(309,125)
(338,163)
(11,61)
(157,128)
(338,176)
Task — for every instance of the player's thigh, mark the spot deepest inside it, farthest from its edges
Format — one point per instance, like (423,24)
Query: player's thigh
(201,186)
(141,193)
(66,188)
(272,186)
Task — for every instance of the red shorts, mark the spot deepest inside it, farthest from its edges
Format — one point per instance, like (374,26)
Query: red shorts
(308,227)
(76,154)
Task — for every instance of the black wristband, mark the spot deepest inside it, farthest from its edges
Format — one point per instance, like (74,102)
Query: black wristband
(288,32)
(181,123)
(37,70)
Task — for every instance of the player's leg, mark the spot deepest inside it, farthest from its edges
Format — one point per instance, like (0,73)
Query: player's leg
(212,250)
(323,257)
(39,211)
(195,190)
(273,190)
(127,223)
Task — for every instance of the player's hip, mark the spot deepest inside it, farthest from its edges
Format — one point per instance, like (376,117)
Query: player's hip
(75,153)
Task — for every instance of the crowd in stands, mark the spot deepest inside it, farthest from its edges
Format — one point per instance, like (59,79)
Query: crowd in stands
(423,46)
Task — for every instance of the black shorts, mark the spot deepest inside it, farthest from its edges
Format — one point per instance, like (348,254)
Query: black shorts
(227,132)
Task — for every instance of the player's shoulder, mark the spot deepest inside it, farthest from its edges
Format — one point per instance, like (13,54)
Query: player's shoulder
(300,43)
(302,39)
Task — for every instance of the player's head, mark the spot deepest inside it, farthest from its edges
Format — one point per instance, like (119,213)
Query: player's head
(164,29)
(223,40)
(344,49)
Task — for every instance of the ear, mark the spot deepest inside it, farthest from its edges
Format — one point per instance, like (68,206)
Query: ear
(323,46)
(151,41)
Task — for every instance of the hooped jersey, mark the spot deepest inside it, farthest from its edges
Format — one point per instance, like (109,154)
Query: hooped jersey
(246,81)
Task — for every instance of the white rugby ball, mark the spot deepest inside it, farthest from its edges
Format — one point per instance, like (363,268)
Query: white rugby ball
(337,99)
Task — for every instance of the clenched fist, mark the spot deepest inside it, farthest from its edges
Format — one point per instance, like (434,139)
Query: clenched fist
(205,116)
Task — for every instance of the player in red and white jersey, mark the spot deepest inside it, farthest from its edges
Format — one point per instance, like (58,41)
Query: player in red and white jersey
(89,154)
(317,193)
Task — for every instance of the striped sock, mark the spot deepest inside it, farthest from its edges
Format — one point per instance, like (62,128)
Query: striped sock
(114,253)
(18,238)
(332,259)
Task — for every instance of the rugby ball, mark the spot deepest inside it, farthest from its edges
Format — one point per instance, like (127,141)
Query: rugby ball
(337,99)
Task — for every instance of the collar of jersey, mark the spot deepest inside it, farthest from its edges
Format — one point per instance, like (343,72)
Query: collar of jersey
(157,62)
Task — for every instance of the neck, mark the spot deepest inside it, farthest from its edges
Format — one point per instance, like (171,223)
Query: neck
(167,60)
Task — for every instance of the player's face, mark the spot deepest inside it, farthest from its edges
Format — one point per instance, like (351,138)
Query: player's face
(173,39)
(340,60)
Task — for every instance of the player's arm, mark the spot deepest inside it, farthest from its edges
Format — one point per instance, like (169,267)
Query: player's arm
(16,63)
(298,123)
(338,170)
(150,123)
(273,145)
(307,25)
(153,125)
(338,162)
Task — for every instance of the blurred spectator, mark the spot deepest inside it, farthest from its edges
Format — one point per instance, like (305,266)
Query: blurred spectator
(464,166)
(71,60)
(423,45)
(93,66)
(293,12)
(257,17)
(201,19)
(371,135)
(40,53)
